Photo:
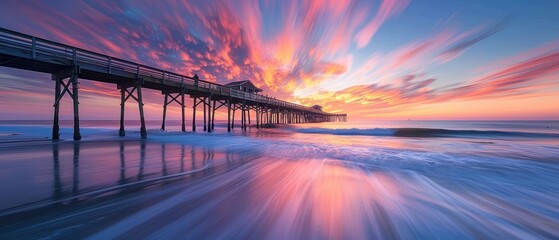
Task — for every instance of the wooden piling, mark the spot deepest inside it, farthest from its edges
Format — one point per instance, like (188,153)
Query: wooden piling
(209,113)
(194,115)
(55,126)
(233,116)
(122,102)
(204,101)
(229,114)
(74,80)
(143,131)
(244,125)
(165,103)
(183,125)
(248,114)
(213,115)
(256,111)
(243,116)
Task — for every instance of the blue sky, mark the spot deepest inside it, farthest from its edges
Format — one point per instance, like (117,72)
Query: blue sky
(377,59)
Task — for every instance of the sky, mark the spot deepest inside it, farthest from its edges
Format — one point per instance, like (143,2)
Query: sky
(383,59)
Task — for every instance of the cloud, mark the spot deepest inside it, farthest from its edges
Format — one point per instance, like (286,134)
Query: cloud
(468,39)
(524,78)
(417,56)
(307,51)
(516,79)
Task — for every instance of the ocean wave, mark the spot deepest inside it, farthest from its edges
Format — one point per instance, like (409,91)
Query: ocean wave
(426,132)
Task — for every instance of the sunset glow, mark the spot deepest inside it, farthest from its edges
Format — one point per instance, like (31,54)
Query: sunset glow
(386,59)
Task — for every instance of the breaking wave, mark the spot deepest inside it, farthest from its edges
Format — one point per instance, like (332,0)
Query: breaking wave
(426,132)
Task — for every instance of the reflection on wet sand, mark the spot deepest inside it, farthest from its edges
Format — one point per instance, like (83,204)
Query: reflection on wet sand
(76,172)
(56,172)
(122,179)
(271,198)
(284,190)
(82,167)
(321,199)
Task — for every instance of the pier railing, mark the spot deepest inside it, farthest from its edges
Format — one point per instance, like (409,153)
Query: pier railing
(33,48)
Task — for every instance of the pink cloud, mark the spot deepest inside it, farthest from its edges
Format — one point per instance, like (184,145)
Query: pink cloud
(315,51)
(521,79)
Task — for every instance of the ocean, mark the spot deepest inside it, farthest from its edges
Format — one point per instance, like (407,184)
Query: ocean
(349,180)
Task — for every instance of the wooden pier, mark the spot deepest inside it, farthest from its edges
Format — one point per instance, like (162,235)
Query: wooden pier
(68,65)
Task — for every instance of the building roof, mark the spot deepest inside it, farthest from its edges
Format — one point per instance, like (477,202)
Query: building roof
(317,107)
(245,83)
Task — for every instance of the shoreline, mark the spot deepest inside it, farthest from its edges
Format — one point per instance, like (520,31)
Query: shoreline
(260,183)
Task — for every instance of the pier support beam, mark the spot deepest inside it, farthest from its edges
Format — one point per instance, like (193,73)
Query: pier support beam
(215,106)
(229,114)
(179,101)
(74,80)
(234,108)
(194,115)
(72,74)
(248,114)
(197,101)
(143,131)
(213,114)
(125,95)
(55,126)
(165,103)
(205,115)
(242,108)
(183,125)
(209,104)
(122,101)
(257,116)
(244,121)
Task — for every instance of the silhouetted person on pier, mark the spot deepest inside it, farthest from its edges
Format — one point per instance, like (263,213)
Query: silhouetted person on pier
(195,79)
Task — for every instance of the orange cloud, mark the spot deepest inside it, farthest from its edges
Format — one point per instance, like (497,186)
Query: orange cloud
(522,79)
(310,52)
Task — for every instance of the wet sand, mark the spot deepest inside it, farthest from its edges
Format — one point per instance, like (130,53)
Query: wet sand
(268,186)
